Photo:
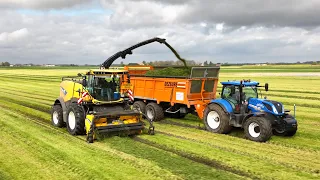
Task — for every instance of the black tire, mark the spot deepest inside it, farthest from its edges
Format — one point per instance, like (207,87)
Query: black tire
(155,110)
(75,119)
(140,105)
(258,129)
(220,125)
(57,116)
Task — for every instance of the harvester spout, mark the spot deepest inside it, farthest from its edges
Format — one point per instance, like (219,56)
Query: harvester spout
(107,63)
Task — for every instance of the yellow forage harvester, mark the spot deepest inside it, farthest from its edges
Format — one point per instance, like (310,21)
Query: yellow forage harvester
(92,104)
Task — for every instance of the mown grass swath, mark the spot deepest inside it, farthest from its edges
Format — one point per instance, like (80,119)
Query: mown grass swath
(181,149)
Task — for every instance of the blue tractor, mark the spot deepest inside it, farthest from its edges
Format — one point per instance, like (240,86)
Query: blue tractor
(240,106)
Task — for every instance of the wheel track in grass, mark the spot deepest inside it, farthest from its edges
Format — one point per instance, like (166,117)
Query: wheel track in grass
(31,97)
(273,150)
(307,170)
(54,160)
(195,158)
(46,124)
(42,108)
(31,90)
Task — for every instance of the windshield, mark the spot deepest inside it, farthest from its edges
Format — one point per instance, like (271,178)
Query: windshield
(104,88)
(250,92)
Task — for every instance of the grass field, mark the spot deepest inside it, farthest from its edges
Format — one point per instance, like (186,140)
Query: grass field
(31,148)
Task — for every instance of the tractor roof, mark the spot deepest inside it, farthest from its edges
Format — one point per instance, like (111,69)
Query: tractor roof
(244,82)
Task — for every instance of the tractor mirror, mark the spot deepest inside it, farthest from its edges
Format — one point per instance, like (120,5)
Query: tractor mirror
(84,82)
(266,86)
(79,74)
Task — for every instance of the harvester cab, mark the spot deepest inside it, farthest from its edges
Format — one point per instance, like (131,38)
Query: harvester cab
(240,106)
(92,104)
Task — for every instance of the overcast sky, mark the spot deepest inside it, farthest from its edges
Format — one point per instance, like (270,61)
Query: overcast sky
(89,31)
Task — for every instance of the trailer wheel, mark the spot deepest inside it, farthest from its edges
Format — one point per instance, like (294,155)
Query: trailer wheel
(216,120)
(258,129)
(75,120)
(57,116)
(140,105)
(154,112)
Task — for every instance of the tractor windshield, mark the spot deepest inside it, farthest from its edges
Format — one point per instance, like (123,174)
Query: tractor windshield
(250,92)
(104,88)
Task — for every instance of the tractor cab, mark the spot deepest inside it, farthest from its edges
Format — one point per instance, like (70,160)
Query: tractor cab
(238,93)
(104,85)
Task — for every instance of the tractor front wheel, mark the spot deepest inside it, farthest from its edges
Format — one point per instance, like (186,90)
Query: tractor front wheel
(216,120)
(258,129)
(75,120)
(57,116)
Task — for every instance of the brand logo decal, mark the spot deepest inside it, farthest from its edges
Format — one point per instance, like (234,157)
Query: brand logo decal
(170,83)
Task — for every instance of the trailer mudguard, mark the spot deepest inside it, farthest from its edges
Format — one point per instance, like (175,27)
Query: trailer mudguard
(224,104)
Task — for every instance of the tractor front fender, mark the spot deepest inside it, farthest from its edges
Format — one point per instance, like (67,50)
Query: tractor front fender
(60,102)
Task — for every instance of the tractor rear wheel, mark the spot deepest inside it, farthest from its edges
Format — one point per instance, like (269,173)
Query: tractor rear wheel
(258,129)
(216,120)
(140,105)
(154,112)
(75,120)
(57,116)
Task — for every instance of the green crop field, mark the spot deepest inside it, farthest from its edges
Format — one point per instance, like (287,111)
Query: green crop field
(31,148)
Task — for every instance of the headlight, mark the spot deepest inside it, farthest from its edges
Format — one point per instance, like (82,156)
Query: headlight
(274,110)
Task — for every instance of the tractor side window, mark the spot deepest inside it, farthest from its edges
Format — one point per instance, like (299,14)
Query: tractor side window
(226,92)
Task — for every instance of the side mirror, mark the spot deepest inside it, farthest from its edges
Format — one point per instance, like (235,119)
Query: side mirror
(266,86)
(79,74)
(84,82)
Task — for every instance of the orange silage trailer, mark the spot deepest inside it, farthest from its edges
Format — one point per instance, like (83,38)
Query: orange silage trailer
(177,96)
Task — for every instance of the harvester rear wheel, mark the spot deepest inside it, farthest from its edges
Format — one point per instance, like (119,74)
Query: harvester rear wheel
(57,116)
(258,129)
(140,105)
(216,120)
(154,112)
(75,120)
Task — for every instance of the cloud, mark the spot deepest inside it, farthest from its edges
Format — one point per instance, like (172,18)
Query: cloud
(196,31)
(248,12)
(41,4)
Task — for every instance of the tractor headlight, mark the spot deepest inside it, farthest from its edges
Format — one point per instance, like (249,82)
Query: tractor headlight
(274,110)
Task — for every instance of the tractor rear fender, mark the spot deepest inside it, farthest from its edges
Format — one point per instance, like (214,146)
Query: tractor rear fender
(225,105)
(64,108)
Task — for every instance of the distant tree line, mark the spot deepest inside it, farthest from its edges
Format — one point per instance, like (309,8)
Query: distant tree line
(177,63)
(5,64)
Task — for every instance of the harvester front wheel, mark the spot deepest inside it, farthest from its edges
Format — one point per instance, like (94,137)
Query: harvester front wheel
(258,129)
(216,120)
(57,116)
(75,120)
(154,112)
(140,105)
